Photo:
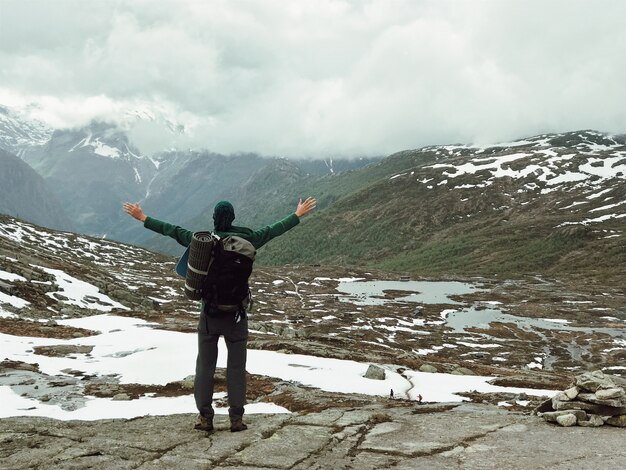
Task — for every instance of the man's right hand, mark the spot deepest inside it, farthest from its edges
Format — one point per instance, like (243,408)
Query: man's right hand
(134,210)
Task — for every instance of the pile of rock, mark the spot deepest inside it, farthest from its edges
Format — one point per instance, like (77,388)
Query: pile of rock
(594,399)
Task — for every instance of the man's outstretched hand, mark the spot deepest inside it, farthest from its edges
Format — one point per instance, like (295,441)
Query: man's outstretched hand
(134,210)
(306,206)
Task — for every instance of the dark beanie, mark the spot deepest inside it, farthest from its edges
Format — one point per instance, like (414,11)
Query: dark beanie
(223,216)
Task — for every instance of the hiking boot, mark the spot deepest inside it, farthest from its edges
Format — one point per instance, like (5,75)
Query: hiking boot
(237,425)
(204,424)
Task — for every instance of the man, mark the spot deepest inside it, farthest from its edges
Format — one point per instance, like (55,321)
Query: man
(214,323)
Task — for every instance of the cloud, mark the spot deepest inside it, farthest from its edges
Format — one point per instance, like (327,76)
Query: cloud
(325,77)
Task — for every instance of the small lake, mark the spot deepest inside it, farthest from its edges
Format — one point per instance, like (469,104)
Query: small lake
(472,318)
(439,292)
(422,292)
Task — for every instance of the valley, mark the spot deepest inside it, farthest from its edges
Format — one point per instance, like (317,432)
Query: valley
(61,305)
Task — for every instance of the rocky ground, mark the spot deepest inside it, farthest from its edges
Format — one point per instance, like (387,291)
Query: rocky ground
(368,437)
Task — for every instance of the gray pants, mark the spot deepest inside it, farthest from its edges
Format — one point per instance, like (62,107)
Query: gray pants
(210,328)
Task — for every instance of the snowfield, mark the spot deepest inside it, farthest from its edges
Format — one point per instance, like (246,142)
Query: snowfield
(137,353)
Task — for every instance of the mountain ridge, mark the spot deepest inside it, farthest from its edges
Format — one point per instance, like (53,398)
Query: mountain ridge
(440,209)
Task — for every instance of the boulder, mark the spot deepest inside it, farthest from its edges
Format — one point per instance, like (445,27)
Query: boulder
(589,407)
(188,382)
(566,420)
(607,394)
(462,371)
(559,398)
(8,365)
(571,393)
(551,416)
(428,368)
(121,396)
(593,422)
(375,373)
(594,381)
(67,311)
(593,398)
(619,421)
(544,407)
(60,350)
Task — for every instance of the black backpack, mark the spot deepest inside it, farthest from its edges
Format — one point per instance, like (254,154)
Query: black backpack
(225,286)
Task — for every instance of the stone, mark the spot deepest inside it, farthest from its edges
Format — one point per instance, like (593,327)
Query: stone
(593,398)
(8,364)
(571,393)
(609,393)
(594,408)
(551,416)
(559,397)
(463,371)
(60,350)
(428,368)
(619,421)
(121,397)
(543,407)
(60,383)
(566,420)
(289,333)
(593,381)
(593,422)
(375,373)
(188,382)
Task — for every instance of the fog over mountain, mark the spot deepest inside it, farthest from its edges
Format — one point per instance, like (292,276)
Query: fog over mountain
(317,78)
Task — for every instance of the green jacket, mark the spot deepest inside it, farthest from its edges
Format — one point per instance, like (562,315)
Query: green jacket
(258,238)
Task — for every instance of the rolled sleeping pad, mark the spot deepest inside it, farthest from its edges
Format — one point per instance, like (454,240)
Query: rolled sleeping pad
(200,255)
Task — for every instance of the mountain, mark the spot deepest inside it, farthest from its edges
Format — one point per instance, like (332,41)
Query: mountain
(93,170)
(23,193)
(550,203)
(18,134)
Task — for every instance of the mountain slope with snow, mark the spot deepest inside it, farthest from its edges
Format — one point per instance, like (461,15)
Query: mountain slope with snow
(544,204)
(93,170)
(18,134)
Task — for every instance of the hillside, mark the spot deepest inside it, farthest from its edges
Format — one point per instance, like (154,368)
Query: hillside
(548,204)
(25,194)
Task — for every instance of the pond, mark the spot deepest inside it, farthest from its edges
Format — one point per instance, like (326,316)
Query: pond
(473,318)
(422,292)
(439,292)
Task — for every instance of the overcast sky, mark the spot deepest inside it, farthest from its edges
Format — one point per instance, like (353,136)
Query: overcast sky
(322,77)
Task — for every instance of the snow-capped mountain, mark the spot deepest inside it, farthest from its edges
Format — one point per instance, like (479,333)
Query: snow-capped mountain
(93,170)
(18,133)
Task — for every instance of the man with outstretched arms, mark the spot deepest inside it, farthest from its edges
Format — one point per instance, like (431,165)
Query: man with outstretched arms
(213,323)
